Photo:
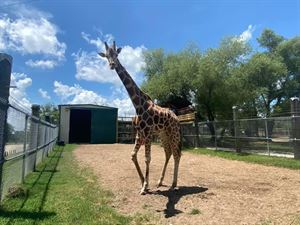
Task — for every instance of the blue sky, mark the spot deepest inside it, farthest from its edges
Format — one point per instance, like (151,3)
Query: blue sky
(54,42)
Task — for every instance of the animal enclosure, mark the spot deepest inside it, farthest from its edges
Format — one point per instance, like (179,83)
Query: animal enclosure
(223,191)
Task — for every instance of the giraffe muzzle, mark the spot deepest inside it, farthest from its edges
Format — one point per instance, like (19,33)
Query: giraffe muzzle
(112,66)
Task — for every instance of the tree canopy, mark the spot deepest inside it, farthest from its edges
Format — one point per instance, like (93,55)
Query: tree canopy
(259,82)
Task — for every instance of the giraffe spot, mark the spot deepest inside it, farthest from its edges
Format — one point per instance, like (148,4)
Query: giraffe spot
(146,105)
(156,119)
(135,100)
(161,120)
(142,124)
(137,92)
(145,116)
(150,112)
(139,110)
(149,121)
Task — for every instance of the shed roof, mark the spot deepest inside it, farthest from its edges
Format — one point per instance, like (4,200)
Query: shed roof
(86,106)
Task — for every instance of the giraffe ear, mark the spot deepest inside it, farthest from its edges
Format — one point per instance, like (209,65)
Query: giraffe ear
(102,54)
(119,50)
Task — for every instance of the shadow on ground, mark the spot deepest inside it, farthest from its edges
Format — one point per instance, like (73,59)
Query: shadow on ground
(175,195)
(45,173)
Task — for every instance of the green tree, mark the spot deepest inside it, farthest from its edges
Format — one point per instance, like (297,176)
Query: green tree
(270,40)
(50,110)
(289,50)
(154,62)
(217,88)
(265,76)
(171,75)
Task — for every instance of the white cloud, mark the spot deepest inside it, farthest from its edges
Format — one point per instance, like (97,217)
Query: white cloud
(92,67)
(124,105)
(43,64)
(31,36)
(247,34)
(18,94)
(98,42)
(77,95)
(29,31)
(44,94)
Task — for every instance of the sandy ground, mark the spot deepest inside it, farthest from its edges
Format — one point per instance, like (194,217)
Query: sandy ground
(223,191)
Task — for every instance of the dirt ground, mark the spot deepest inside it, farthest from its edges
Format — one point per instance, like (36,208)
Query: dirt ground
(211,190)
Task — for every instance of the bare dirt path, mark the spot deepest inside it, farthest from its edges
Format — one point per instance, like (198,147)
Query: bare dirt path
(211,190)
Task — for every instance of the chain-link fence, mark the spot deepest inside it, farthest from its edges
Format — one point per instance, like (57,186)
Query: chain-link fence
(28,140)
(25,139)
(273,136)
(270,136)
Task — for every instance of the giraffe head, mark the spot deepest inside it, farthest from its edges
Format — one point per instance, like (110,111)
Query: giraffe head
(111,54)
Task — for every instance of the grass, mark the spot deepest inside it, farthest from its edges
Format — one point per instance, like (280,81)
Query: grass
(195,212)
(61,193)
(250,158)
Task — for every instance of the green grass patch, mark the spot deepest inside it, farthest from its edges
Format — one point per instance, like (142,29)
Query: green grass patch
(195,212)
(58,192)
(250,158)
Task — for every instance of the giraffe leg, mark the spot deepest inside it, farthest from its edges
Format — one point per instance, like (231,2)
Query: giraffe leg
(177,155)
(175,176)
(168,154)
(137,146)
(147,161)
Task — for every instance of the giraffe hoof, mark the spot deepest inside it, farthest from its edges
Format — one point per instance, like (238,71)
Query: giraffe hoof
(143,192)
(174,188)
(159,184)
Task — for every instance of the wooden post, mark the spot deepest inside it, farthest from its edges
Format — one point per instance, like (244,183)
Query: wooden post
(295,110)
(5,73)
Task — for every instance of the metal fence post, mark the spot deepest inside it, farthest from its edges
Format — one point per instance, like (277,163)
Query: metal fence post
(47,119)
(267,135)
(236,129)
(215,128)
(5,73)
(34,134)
(25,150)
(197,132)
(295,110)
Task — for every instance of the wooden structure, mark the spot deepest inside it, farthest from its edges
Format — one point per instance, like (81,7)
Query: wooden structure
(187,117)
(126,131)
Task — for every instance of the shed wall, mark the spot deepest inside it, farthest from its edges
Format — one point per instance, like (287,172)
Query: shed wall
(64,124)
(104,126)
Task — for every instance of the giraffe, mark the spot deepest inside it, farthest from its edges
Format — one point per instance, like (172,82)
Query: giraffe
(150,119)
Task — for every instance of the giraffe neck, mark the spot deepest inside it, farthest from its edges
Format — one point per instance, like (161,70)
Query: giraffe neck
(139,99)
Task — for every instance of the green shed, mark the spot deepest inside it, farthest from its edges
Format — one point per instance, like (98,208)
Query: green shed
(87,123)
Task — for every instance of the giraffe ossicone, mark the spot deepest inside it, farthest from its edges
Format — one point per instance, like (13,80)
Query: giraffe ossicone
(150,119)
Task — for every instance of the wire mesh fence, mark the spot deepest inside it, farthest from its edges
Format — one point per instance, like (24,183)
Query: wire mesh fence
(269,136)
(126,131)
(27,141)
